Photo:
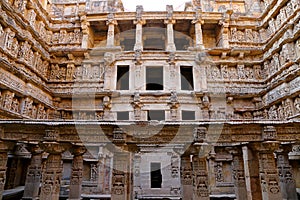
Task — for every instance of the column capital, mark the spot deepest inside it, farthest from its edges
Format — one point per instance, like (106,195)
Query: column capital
(78,150)
(111,19)
(54,147)
(111,22)
(198,21)
(265,147)
(169,21)
(35,148)
(139,21)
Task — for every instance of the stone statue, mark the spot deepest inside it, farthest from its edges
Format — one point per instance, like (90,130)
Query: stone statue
(7,100)
(297,104)
(15,105)
(9,39)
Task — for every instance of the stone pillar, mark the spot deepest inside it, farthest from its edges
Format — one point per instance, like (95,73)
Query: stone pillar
(186,178)
(200,178)
(225,28)
(139,22)
(139,34)
(5,146)
(170,35)
(251,167)
(287,181)
(238,173)
(120,177)
(268,171)
(53,171)
(198,34)
(76,176)
(34,172)
(111,22)
(211,170)
(3,163)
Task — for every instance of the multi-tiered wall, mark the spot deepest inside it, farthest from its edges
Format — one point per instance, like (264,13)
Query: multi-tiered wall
(105,104)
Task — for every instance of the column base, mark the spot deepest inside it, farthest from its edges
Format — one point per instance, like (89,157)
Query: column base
(171,47)
(196,48)
(138,48)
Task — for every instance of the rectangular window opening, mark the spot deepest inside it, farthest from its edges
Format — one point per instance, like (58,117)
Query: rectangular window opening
(186,75)
(154,78)
(156,115)
(188,115)
(123,77)
(156,176)
(123,115)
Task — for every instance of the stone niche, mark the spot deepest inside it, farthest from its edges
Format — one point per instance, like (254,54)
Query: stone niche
(157,174)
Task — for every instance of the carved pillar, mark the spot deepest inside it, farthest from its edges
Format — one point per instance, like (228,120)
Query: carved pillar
(3,164)
(268,171)
(225,28)
(76,176)
(53,172)
(86,36)
(251,168)
(186,178)
(287,181)
(111,22)
(120,177)
(211,170)
(200,178)
(33,178)
(198,33)
(238,173)
(139,22)
(139,35)
(170,35)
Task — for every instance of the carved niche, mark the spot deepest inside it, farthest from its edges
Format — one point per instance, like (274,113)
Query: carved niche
(118,182)
(200,134)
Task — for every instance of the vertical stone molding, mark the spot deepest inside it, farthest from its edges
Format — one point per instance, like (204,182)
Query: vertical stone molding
(34,173)
(286,177)
(53,172)
(139,22)
(268,172)
(251,169)
(225,28)
(198,30)
(76,175)
(111,22)
(170,32)
(238,173)
(120,177)
(200,178)
(4,148)
(186,177)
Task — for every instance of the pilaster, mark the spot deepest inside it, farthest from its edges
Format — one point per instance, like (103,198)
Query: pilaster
(286,177)
(34,173)
(76,175)
(121,177)
(198,21)
(4,148)
(111,22)
(170,32)
(186,177)
(139,22)
(268,172)
(52,174)
(238,173)
(200,178)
